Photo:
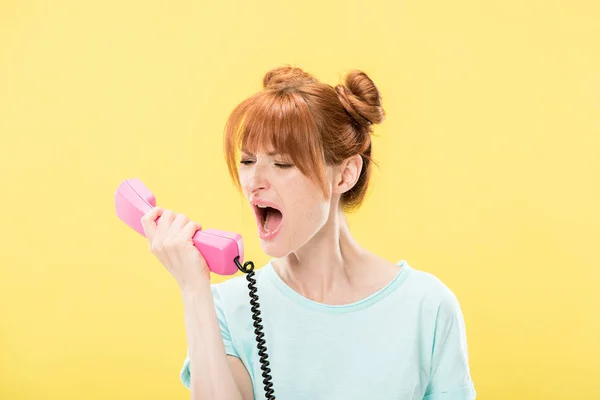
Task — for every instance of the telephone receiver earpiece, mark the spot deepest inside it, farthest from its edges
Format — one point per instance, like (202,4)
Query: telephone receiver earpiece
(220,249)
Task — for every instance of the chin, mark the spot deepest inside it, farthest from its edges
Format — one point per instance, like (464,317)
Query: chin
(284,241)
(274,250)
(284,245)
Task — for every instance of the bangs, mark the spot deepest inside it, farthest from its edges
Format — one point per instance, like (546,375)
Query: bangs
(278,121)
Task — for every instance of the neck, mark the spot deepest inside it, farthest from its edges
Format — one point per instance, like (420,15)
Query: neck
(327,267)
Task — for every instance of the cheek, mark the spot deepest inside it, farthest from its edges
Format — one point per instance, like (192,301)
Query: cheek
(307,209)
(309,213)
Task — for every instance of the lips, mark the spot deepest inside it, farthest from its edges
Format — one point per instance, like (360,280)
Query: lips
(269,218)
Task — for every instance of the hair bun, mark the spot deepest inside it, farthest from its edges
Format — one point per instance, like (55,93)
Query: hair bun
(361,98)
(286,76)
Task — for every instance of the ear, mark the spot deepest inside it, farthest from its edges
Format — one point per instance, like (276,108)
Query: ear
(347,173)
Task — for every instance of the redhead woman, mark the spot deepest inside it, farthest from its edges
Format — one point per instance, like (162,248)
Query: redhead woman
(339,322)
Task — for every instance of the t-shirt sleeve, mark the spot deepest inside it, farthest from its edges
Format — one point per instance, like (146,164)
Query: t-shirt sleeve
(185,375)
(450,377)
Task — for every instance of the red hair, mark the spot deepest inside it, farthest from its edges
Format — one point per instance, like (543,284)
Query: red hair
(312,123)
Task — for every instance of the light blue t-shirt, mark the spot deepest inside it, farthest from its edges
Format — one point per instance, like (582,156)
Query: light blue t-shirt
(405,342)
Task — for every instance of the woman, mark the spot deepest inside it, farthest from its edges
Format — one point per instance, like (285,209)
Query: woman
(339,321)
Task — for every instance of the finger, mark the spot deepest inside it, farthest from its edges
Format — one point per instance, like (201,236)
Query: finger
(176,226)
(149,222)
(157,245)
(185,239)
(165,220)
(188,231)
(163,225)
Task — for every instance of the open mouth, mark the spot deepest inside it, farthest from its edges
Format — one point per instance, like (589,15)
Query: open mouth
(269,218)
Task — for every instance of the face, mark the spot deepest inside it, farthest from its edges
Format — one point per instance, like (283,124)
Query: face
(289,207)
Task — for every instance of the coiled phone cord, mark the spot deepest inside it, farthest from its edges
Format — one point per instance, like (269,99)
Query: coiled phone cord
(248,269)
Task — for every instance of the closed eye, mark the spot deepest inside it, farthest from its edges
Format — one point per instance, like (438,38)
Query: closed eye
(284,165)
(278,165)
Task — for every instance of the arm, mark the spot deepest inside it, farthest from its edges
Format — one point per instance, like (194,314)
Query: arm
(214,375)
(207,371)
(450,377)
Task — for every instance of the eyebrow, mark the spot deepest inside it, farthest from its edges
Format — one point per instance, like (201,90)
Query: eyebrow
(271,153)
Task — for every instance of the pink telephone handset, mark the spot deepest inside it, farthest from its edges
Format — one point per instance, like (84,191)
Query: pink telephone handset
(219,248)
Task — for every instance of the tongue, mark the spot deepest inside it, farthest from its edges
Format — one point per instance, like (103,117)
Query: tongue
(273,219)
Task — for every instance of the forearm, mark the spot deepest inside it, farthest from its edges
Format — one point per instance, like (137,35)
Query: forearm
(211,377)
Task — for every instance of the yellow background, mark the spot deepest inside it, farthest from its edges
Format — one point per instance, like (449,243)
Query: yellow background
(489,174)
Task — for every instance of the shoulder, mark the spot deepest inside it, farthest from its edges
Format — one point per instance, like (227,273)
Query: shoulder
(431,293)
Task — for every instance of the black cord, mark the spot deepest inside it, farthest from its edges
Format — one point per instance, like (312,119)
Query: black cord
(248,269)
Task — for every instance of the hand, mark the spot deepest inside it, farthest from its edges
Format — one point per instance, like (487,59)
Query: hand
(170,237)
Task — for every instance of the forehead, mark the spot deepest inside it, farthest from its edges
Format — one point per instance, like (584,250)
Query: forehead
(270,153)
(269,149)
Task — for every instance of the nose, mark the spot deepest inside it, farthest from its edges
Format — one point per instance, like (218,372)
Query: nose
(257,178)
